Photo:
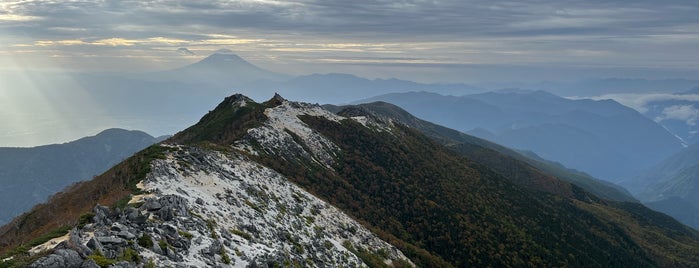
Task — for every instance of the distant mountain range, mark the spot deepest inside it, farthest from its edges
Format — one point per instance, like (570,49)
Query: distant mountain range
(29,176)
(603,138)
(192,89)
(224,72)
(596,87)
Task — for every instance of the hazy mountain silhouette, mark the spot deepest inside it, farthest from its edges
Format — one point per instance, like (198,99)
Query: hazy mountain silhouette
(604,138)
(671,186)
(30,175)
(222,69)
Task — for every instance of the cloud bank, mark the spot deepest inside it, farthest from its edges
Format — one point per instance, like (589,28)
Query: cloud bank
(439,33)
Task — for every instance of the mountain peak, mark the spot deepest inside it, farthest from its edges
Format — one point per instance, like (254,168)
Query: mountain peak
(224,68)
(227,122)
(121,132)
(235,99)
(224,51)
(224,57)
(276,100)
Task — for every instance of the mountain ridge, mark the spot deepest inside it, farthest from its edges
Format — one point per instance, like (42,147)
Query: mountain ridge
(403,186)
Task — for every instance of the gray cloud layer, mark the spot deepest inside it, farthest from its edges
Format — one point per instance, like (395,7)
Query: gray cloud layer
(579,33)
(394,18)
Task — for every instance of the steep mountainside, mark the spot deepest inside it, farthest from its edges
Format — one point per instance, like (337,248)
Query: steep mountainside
(511,164)
(664,171)
(672,186)
(29,175)
(221,192)
(603,138)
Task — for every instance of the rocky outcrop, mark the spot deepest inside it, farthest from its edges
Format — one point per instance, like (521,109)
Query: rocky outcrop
(60,258)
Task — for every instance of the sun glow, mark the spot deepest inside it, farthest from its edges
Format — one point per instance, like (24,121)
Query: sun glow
(43,107)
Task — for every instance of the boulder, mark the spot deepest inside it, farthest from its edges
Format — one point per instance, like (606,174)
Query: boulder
(126,235)
(61,258)
(118,227)
(108,241)
(152,205)
(95,245)
(101,215)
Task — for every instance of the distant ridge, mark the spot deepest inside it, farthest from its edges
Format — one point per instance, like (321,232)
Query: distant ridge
(29,175)
(602,138)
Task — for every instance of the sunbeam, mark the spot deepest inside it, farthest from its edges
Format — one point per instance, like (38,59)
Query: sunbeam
(40,107)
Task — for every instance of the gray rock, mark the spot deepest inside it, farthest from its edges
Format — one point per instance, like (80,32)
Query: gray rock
(89,263)
(112,253)
(140,219)
(118,227)
(95,245)
(157,249)
(74,243)
(172,254)
(131,213)
(172,206)
(101,215)
(200,201)
(152,204)
(180,243)
(123,264)
(170,230)
(214,249)
(109,241)
(72,258)
(61,258)
(126,235)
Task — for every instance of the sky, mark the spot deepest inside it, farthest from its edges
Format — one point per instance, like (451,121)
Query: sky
(428,41)
(443,41)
